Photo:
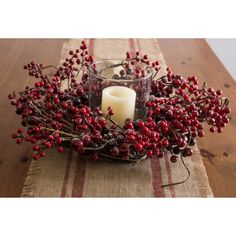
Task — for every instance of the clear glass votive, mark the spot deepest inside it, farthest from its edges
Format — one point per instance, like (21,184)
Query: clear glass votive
(110,72)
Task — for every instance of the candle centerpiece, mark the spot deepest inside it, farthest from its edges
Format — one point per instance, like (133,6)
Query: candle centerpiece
(120,86)
(116,109)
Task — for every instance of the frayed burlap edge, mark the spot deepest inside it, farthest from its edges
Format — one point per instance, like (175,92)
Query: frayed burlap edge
(31,179)
(35,166)
(201,174)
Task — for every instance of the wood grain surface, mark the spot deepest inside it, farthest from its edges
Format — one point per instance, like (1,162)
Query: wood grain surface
(187,57)
(14,53)
(194,57)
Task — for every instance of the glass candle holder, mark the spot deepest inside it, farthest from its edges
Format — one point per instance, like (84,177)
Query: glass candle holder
(125,93)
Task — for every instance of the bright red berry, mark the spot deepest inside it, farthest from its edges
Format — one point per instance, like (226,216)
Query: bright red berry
(42,154)
(20,130)
(36,129)
(36,148)
(150,153)
(138,147)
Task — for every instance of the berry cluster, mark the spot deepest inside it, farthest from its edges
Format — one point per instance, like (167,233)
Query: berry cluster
(54,117)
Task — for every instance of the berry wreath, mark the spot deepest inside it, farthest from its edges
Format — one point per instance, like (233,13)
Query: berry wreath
(58,117)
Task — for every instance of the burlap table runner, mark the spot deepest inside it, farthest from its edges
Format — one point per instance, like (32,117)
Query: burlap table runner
(69,176)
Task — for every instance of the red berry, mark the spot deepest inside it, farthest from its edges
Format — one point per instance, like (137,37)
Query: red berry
(128,55)
(173,158)
(20,130)
(48,145)
(219,130)
(212,129)
(56,100)
(131,138)
(141,124)
(86,139)
(83,110)
(138,147)
(42,154)
(110,111)
(37,84)
(36,129)
(165,143)
(18,140)
(94,157)
(10,96)
(56,135)
(60,149)
(201,133)
(77,145)
(35,157)
(64,105)
(227,110)
(27,138)
(148,104)
(14,135)
(33,140)
(150,153)
(59,140)
(115,151)
(36,148)
(187,152)
(225,120)
(160,155)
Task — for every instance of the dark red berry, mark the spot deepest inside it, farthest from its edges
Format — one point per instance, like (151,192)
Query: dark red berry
(212,129)
(14,136)
(18,140)
(173,158)
(115,151)
(201,133)
(35,157)
(60,149)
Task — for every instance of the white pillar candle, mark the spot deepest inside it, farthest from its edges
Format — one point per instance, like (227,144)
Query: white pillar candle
(121,100)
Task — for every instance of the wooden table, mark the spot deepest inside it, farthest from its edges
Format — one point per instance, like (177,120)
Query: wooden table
(184,56)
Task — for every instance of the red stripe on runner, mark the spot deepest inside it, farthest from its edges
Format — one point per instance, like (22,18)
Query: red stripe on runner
(138,44)
(155,162)
(78,185)
(91,47)
(132,46)
(157,178)
(68,166)
(66,176)
(172,191)
(168,169)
